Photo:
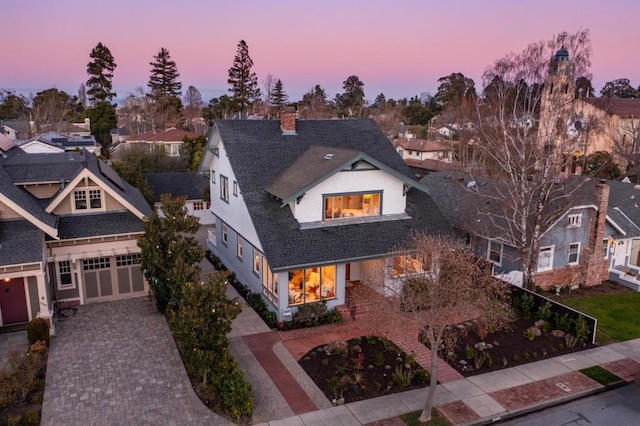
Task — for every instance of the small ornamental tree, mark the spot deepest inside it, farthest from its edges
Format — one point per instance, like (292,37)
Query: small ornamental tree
(170,254)
(201,323)
(454,286)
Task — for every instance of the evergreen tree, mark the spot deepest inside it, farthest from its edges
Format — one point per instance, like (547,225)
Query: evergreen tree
(164,76)
(351,102)
(103,119)
(244,83)
(278,97)
(100,70)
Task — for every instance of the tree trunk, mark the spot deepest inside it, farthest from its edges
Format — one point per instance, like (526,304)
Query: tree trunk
(428,405)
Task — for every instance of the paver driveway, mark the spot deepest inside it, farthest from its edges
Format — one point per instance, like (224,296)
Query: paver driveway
(115,363)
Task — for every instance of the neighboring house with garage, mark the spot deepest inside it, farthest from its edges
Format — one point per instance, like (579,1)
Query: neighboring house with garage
(303,208)
(68,233)
(190,185)
(169,141)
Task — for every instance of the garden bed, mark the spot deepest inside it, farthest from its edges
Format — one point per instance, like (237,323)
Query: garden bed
(362,368)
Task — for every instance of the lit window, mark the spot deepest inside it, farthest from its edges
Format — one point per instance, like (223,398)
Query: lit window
(239,249)
(225,233)
(414,264)
(224,188)
(312,285)
(495,252)
(574,253)
(545,258)
(256,261)
(574,220)
(352,205)
(269,282)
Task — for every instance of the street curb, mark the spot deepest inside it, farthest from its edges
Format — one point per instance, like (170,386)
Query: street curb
(509,415)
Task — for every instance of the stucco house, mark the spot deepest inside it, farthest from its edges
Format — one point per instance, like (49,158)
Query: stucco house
(189,185)
(68,229)
(304,207)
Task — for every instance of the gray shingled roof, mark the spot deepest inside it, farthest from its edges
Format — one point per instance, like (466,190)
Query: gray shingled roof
(38,168)
(92,225)
(624,206)
(20,242)
(189,184)
(466,201)
(259,153)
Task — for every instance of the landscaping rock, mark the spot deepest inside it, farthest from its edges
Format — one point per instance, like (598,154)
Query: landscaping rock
(557,333)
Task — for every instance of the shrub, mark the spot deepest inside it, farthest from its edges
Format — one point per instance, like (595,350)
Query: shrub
(530,333)
(570,340)
(31,418)
(235,393)
(544,311)
(256,301)
(469,352)
(18,378)
(420,377)
(403,375)
(564,322)
(378,359)
(582,329)
(38,329)
(526,303)
(310,313)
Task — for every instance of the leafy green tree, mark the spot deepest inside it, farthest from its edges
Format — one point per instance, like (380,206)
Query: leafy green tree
(620,88)
(103,120)
(584,88)
(278,97)
(13,105)
(100,70)
(600,164)
(455,90)
(351,102)
(192,150)
(220,108)
(244,82)
(53,108)
(170,254)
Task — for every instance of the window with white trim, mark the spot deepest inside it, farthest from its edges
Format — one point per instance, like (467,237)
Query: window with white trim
(127,260)
(198,205)
(225,233)
(494,253)
(269,282)
(240,251)
(352,205)
(96,263)
(87,199)
(213,176)
(574,220)
(605,247)
(224,188)
(545,258)
(65,276)
(235,188)
(574,254)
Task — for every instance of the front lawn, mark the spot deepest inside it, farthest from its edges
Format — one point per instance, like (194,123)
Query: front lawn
(617,315)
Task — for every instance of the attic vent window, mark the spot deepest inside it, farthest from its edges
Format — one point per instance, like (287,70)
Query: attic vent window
(328,156)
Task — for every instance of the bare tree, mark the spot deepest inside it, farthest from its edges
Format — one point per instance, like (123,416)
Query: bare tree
(451,286)
(530,162)
(267,86)
(192,112)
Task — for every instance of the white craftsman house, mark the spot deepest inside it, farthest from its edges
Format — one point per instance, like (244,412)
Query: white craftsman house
(304,207)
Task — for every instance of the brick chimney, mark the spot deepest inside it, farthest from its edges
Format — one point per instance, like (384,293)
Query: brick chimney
(288,121)
(597,267)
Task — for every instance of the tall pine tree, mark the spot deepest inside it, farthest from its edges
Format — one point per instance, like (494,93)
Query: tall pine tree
(100,70)
(278,97)
(165,89)
(163,81)
(244,83)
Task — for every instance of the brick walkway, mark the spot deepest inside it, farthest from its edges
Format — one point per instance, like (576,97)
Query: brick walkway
(116,363)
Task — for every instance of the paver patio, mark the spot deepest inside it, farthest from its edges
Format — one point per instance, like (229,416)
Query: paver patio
(117,363)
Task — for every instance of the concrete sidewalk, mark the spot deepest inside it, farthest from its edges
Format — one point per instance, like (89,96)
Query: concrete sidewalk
(489,397)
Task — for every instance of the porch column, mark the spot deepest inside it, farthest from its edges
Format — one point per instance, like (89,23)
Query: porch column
(43,302)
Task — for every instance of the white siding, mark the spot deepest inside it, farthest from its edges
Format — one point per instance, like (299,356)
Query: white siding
(311,208)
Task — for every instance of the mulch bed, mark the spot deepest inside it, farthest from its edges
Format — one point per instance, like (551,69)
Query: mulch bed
(508,348)
(606,288)
(362,368)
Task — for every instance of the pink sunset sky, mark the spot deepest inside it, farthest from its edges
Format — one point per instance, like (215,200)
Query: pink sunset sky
(399,48)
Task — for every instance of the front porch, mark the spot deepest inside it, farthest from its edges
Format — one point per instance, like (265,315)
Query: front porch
(626,276)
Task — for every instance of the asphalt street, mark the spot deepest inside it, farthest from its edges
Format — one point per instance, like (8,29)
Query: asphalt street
(619,407)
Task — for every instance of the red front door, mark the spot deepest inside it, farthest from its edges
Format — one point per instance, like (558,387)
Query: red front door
(13,301)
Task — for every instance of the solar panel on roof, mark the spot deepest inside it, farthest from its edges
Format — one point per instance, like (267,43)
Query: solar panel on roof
(110,174)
